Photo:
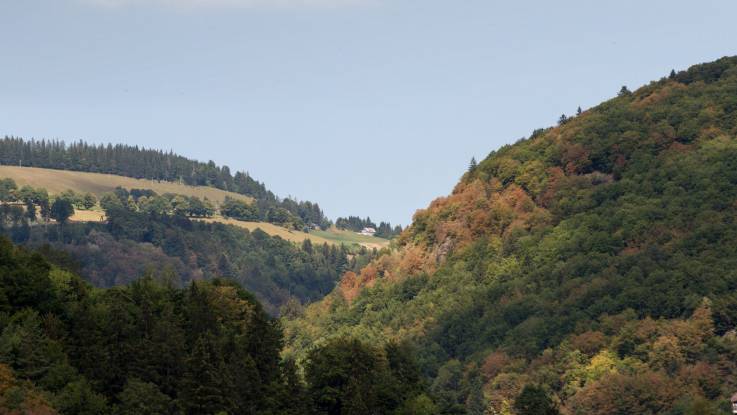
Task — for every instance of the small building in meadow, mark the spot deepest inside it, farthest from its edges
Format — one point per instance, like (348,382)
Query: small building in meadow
(368,231)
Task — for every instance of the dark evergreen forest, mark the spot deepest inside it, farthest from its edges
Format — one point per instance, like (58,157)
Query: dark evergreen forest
(151,348)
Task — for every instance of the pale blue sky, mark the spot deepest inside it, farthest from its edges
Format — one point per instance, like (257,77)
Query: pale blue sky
(369,107)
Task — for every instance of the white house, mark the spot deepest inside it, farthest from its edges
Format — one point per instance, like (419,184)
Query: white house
(734,403)
(368,231)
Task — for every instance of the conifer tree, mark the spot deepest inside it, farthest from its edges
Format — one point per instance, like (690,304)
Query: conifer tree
(624,91)
(473,165)
(248,387)
(31,211)
(61,211)
(294,399)
(205,388)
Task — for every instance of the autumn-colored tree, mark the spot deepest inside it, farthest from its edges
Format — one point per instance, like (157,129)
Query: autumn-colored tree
(20,398)
(641,393)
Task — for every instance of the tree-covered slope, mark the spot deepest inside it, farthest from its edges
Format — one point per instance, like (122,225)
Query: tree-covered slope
(159,171)
(592,265)
(58,181)
(142,163)
(149,234)
(151,348)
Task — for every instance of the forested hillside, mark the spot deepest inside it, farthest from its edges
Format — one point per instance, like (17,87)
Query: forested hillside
(145,233)
(58,181)
(588,269)
(142,163)
(135,232)
(151,348)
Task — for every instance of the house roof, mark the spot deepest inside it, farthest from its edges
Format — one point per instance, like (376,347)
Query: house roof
(734,397)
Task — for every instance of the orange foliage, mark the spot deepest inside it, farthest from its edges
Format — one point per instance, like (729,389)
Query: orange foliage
(408,261)
(588,342)
(703,378)
(504,389)
(659,94)
(32,402)
(630,250)
(387,266)
(474,209)
(614,393)
(349,286)
(556,177)
(679,148)
(575,158)
(412,260)
(666,354)
(477,214)
(493,364)
(368,274)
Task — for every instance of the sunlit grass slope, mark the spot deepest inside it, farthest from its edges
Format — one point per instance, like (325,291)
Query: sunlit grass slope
(56,181)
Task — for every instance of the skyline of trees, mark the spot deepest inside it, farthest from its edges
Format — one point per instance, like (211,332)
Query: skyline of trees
(142,163)
(588,268)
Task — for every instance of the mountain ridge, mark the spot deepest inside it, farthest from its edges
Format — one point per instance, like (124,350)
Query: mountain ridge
(98,184)
(623,213)
(142,163)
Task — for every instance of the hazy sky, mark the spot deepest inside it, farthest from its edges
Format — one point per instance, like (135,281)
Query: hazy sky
(369,107)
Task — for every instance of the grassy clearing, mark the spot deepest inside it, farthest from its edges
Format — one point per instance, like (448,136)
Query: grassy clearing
(57,181)
(88,216)
(271,229)
(332,236)
(349,237)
